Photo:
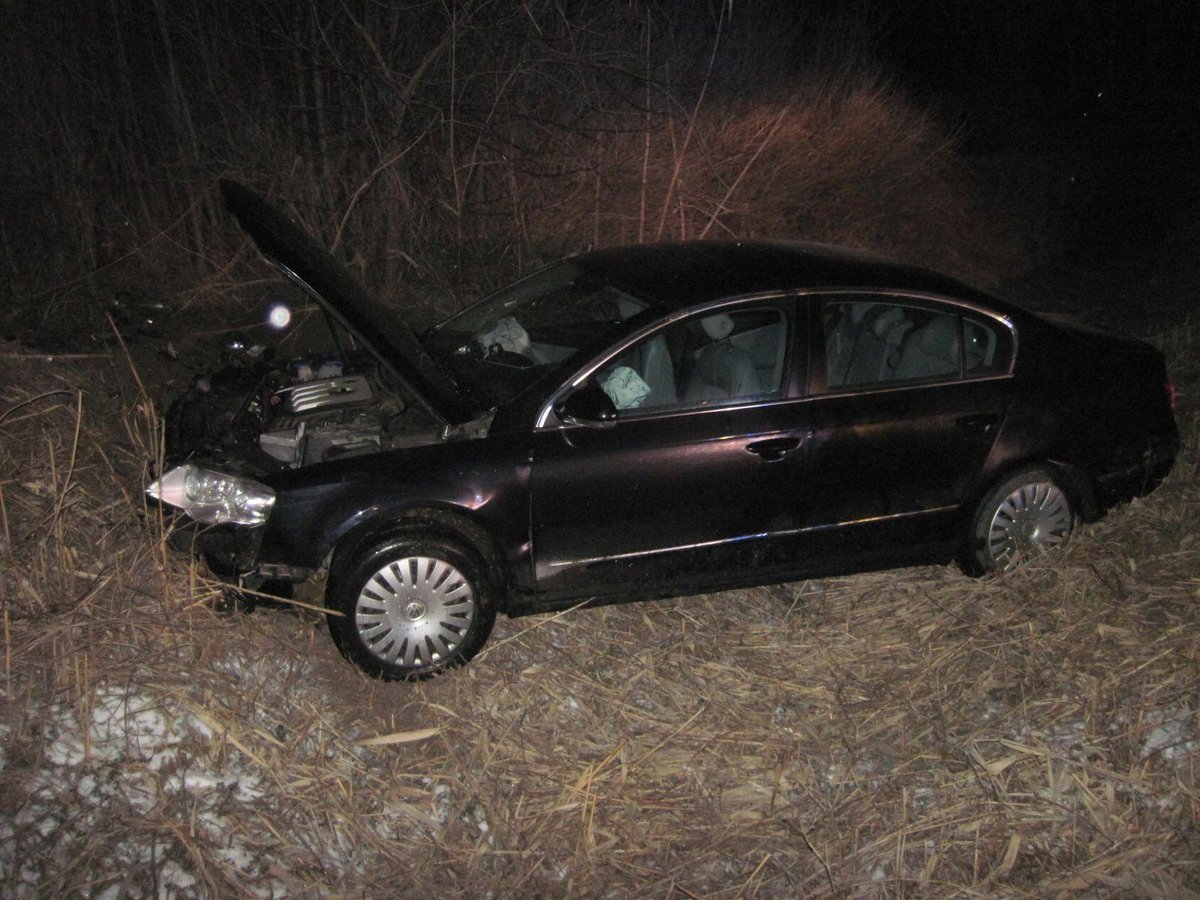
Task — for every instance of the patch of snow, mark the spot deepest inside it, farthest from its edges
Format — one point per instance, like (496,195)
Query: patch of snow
(169,795)
(120,726)
(1173,736)
(127,750)
(174,880)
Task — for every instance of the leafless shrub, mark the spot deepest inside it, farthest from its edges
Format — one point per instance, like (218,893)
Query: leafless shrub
(443,149)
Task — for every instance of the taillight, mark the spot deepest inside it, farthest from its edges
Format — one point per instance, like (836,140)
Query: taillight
(1172,394)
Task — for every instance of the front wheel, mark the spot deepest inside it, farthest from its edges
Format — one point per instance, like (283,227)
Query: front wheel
(411,607)
(1024,514)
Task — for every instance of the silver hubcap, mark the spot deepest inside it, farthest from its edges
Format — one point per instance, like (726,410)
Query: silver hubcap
(414,612)
(1031,517)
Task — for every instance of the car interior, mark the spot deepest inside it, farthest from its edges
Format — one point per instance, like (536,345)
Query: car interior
(707,360)
(868,343)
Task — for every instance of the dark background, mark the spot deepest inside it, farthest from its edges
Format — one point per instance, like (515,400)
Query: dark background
(445,147)
(1107,88)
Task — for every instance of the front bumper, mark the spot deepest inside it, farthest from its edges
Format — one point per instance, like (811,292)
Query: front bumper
(230,551)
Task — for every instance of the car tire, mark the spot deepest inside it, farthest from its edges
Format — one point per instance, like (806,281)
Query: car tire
(1026,513)
(412,606)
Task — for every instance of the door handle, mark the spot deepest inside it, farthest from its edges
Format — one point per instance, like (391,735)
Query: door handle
(774,449)
(977,421)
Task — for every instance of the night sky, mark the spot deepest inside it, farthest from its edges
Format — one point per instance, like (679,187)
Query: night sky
(1107,93)
(1007,67)
(1108,88)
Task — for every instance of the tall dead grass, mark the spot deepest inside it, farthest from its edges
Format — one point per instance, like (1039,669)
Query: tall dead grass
(444,148)
(907,733)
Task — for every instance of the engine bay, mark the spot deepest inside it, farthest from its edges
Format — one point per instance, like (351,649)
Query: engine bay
(326,418)
(309,410)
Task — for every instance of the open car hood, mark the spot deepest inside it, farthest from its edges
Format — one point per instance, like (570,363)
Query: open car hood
(328,282)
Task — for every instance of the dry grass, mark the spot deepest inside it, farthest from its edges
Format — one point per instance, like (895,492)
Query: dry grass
(905,733)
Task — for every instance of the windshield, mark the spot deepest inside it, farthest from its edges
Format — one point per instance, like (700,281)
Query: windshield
(508,340)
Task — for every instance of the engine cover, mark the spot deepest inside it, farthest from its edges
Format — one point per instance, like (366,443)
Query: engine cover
(325,393)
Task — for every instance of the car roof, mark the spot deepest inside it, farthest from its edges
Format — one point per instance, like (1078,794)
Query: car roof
(682,274)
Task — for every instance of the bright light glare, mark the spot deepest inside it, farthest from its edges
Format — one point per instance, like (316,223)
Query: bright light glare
(279,316)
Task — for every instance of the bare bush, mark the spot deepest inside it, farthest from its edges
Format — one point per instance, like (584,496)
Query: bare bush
(443,149)
(808,165)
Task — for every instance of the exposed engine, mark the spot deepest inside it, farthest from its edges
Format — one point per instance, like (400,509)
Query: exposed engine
(306,412)
(323,419)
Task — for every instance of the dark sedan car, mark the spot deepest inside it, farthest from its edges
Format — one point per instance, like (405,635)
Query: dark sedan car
(649,421)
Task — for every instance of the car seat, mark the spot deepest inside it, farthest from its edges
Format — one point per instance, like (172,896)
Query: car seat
(876,346)
(931,350)
(722,371)
(654,364)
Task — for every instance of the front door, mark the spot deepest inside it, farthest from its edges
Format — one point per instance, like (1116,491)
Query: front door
(686,487)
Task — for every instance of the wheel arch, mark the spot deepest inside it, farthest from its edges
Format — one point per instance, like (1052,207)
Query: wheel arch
(1081,490)
(1073,480)
(449,524)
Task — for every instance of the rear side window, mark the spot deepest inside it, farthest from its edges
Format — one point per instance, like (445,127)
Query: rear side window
(987,346)
(869,343)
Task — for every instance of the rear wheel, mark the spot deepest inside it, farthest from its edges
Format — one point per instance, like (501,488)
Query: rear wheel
(412,606)
(1023,515)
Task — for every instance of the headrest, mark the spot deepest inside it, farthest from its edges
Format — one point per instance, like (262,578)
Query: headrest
(887,321)
(858,311)
(940,338)
(717,327)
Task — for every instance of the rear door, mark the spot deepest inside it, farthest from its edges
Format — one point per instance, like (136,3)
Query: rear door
(907,398)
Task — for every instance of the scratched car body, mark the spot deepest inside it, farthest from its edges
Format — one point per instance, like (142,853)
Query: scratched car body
(649,421)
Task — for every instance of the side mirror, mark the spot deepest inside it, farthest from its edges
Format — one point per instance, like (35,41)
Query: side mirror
(588,406)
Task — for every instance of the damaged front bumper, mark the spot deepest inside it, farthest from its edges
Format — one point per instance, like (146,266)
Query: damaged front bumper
(220,517)
(231,554)
(230,551)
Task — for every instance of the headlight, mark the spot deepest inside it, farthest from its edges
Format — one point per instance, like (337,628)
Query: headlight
(214,497)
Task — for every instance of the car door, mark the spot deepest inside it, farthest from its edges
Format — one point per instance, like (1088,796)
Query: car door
(907,398)
(683,488)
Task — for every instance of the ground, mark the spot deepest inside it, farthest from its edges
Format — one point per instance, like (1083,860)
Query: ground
(914,732)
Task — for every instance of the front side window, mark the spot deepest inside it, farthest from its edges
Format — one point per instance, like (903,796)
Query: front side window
(723,358)
(870,343)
